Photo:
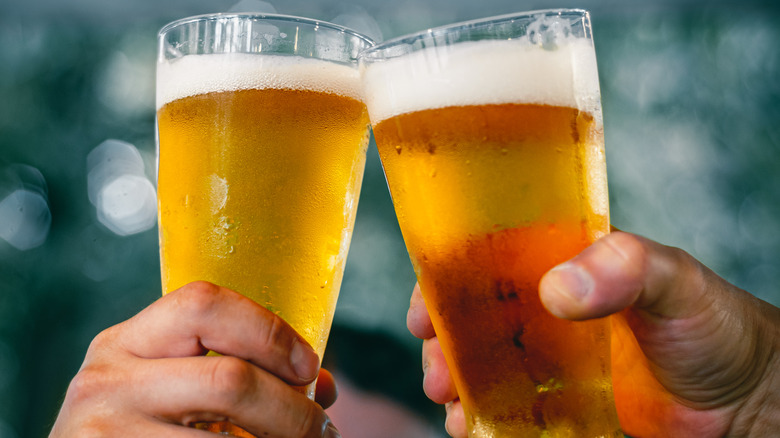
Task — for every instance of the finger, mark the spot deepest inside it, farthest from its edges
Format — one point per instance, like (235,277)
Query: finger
(417,319)
(701,335)
(201,316)
(121,425)
(622,270)
(455,424)
(102,401)
(147,427)
(196,389)
(327,392)
(437,381)
(617,262)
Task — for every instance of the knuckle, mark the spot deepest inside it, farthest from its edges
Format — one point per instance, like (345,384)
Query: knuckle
(629,252)
(90,382)
(681,257)
(102,341)
(276,334)
(624,243)
(230,379)
(630,246)
(198,298)
(311,422)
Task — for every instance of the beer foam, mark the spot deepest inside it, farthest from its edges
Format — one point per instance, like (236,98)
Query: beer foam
(484,72)
(201,74)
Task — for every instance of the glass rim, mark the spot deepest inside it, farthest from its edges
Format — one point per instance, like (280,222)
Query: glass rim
(409,38)
(314,23)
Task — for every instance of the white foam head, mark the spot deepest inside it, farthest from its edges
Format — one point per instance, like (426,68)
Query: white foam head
(484,72)
(199,74)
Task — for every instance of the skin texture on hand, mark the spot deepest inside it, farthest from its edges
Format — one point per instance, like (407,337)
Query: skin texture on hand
(692,355)
(150,376)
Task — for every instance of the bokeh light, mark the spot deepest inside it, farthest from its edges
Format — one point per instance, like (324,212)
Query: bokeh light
(25,217)
(125,199)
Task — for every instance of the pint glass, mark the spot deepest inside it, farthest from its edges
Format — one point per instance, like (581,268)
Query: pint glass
(490,135)
(262,135)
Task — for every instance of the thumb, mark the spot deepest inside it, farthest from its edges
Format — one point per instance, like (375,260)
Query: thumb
(701,335)
(622,270)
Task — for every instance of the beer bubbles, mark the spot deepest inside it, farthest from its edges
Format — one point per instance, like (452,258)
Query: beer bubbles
(124,197)
(25,217)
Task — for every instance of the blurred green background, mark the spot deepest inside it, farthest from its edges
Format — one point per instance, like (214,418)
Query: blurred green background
(691,95)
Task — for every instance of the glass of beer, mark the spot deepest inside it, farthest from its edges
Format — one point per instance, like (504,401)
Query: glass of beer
(490,135)
(262,137)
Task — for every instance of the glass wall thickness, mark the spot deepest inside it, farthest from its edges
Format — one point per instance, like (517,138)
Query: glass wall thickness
(491,138)
(262,136)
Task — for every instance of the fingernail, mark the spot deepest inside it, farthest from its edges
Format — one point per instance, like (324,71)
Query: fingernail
(448,407)
(572,281)
(331,431)
(426,365)
(304,361)
(425,375)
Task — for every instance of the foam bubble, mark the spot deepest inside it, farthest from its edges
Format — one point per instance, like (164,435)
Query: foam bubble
(201,74)
(484,72)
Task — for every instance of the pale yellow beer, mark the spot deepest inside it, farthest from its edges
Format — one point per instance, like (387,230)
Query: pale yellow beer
(261,159)
(258,191)
(494,155)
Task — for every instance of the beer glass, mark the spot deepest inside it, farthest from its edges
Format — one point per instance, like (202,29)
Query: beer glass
(490,135)
(262,137)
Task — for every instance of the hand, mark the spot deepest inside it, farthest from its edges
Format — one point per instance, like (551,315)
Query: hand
(692,355)
(149,375)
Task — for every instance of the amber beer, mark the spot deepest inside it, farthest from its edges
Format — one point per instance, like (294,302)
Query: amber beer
(261,159)
(494,155)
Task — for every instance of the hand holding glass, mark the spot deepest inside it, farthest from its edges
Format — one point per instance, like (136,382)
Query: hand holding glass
(262,135)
